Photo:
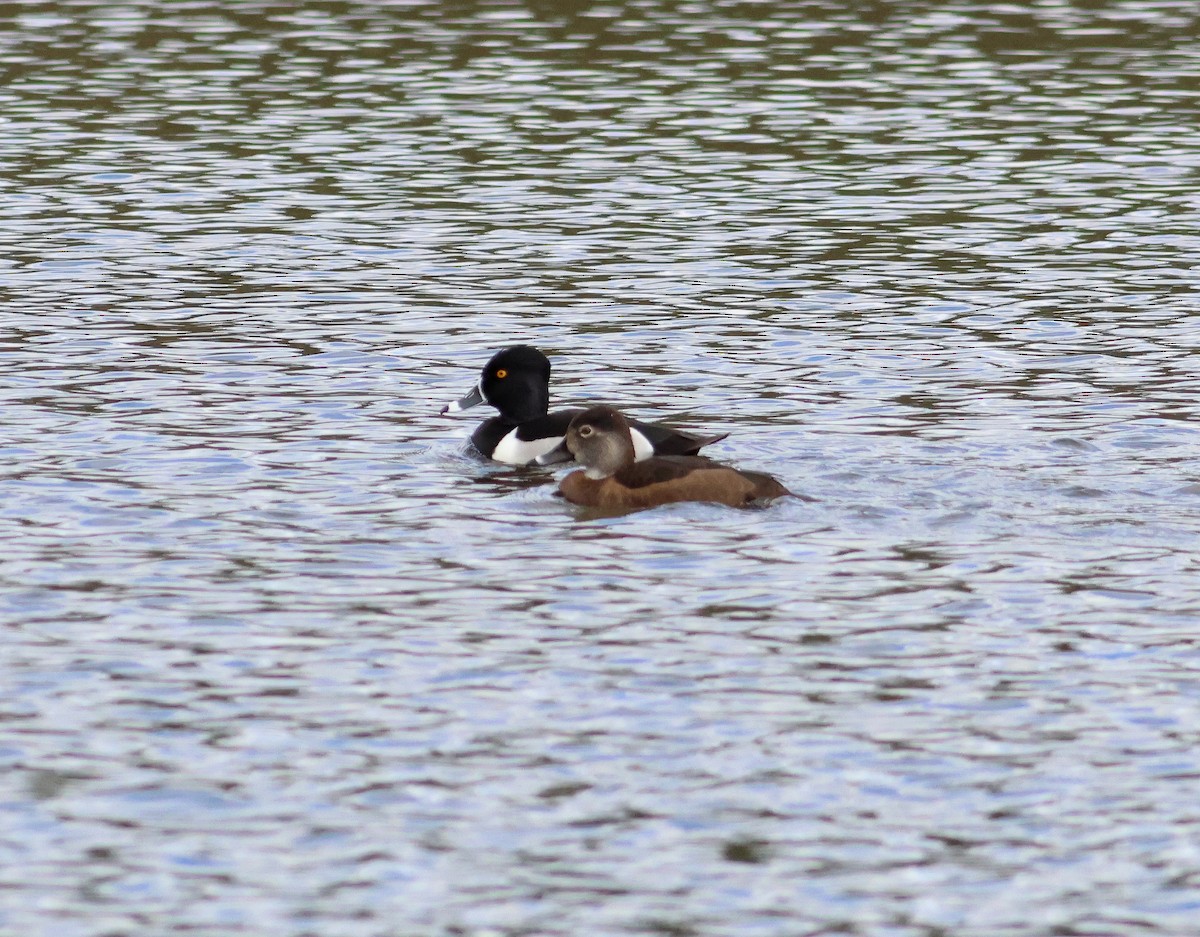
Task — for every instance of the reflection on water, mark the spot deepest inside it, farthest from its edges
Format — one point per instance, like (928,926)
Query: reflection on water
(283,657)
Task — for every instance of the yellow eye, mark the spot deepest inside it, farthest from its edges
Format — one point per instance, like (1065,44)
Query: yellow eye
(502,373)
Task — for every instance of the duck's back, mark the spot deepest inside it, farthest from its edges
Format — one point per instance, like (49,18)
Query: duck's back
(668,441)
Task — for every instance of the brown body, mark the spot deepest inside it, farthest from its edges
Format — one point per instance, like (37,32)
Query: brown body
(599,438)
(697,479)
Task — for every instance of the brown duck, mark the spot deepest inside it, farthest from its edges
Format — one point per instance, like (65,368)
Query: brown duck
(600,440)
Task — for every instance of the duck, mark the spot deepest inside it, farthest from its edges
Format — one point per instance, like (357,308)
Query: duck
(516,381)
(600,439)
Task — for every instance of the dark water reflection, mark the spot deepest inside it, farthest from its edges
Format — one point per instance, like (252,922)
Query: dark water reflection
(283,658)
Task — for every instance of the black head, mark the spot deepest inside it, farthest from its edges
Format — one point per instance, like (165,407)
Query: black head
(517,382)
(599,439)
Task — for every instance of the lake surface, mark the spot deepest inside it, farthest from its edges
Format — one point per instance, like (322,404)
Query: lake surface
(281,656)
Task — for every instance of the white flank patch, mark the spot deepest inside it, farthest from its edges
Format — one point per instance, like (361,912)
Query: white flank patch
(642,449)
(520,451)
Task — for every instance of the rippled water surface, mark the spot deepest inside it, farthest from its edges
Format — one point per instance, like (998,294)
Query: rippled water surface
(281,656)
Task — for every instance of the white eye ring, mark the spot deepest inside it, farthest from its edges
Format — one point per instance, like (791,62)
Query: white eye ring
(585,431)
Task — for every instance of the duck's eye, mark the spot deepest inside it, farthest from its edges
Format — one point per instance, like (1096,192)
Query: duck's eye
(585,431)
(502,373)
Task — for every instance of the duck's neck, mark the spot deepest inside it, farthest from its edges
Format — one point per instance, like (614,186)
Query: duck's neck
(578,488)
(534,403)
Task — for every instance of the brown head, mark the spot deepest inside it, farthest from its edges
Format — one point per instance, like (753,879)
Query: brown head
(600,441)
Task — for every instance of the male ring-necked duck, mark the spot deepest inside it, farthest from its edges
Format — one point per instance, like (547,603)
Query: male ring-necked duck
(600,440)
(517,383)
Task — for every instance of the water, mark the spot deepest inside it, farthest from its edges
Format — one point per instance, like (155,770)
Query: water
(281,656)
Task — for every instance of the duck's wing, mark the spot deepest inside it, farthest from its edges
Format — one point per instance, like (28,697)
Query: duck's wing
(668,441)
(695,478)
(661,469)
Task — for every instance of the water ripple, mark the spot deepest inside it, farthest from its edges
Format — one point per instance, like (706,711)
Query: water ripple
(285,656)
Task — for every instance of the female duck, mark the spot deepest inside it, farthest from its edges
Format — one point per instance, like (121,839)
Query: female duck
(600,439)
(517,383)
